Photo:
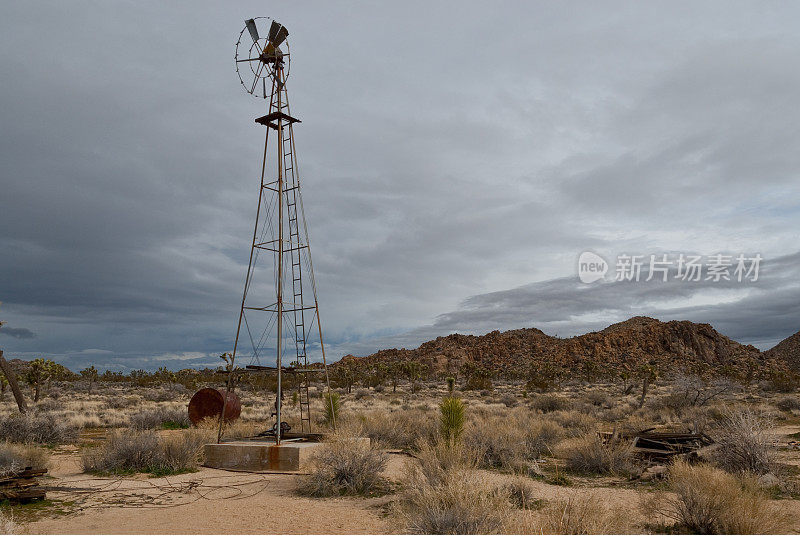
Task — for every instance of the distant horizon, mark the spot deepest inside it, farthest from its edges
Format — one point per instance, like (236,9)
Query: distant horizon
(209,361)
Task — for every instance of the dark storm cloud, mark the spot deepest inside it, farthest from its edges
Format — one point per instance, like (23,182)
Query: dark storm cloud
(434,168)
(761,312)
(19,332)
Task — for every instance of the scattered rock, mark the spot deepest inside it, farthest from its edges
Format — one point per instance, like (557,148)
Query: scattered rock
(658,471)
(768,480)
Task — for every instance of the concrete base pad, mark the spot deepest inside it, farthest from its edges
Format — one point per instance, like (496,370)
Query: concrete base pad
(251,456)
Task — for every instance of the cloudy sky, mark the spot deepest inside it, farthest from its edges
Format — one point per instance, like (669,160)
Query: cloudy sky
(455,164)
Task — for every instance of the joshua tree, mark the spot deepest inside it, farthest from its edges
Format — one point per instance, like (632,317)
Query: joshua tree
(39,372)
(648,373)
(414,371)
(90,374)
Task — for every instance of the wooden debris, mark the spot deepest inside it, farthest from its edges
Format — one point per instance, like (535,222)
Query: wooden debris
(660,445)
(22,486)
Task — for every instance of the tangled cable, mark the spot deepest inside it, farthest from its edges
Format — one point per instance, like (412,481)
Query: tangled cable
(165,494)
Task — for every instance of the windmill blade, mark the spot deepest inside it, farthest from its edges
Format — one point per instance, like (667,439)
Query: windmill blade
(251,27)
(273,31)
(283,33)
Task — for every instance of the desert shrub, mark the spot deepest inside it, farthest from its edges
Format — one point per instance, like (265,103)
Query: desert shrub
(181,452)
(331,407)
(159,395)
(509,400)
(146,452)
(743,442)
(400,429)
(161,417)
(589,455)
(574,423)
(549,403)
(458,502)
(124,452)
(345,467)
(451,418)
(39,428)
(522,495)
(713,502)
(693,391)
(511,441)
(49,404)
(438,458)
(598,398)
(14,457)
(578,515)
(362,393)
(788,403)
(121,402)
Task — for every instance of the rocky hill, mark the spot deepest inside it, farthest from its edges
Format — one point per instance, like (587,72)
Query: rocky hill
(622,346)
(788,351)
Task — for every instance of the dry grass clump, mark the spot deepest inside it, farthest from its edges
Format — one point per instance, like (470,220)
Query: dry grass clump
(160,417)
(511,440)
(744,443)
(589,455)
(124,452)
(455,502)
(400,429)
(15,457)
(578,515)
(122,402)
(7,524)
(710,501)
(147,452)
(345,467)
(435,459)
(38,428)
(574,423)
(522,495)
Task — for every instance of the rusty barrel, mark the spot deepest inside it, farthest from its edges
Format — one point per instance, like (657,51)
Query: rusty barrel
(207,403)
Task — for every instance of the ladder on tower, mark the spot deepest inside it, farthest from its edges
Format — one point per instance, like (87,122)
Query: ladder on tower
(296,256)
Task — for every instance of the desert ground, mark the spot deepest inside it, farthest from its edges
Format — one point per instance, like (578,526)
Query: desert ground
(521,461)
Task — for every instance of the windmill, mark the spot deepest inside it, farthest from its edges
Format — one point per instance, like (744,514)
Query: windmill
(279,309)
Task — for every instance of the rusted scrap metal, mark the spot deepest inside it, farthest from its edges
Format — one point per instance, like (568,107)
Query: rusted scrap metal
(660,445)
(22,486)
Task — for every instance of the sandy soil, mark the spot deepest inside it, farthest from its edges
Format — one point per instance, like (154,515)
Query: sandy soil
(208,501)
(215,501)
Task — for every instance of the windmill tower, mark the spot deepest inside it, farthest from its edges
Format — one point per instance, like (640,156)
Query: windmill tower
(279,315)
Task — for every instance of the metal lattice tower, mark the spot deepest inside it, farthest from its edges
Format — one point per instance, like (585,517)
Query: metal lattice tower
(290,323)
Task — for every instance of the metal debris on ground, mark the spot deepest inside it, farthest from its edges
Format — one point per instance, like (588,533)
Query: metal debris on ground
(656,445)
(22,485)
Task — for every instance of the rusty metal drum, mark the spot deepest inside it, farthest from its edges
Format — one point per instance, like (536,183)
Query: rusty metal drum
(208,402)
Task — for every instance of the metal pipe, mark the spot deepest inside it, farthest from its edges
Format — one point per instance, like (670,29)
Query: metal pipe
(278,401)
